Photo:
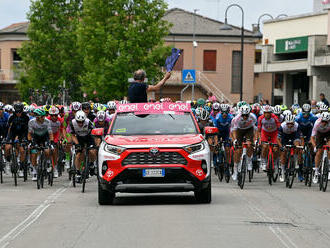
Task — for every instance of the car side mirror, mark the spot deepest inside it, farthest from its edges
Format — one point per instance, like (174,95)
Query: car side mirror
(98,132)
(211,130)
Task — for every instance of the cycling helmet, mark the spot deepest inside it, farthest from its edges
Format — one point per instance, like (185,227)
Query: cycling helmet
(201,102)
(287,112)
(277,110)
(240,104)
(32,108)
(111,105)
(216,106)
(318,104)
(306,108)
(39,112)
(284,107)
(325,116)
(224,108)
(1,105)
(76,106)
(267,109)
(101,107)
(95,106)
(245,110)
(178,101)
(295,106)
(198,111)
(256,109)
(26,109)
(8,108)
(47,107)
(204,115)
(123,102)
(54,110)
(289,119)
(324,107)
(18,107)
(100,115)
(85,105)
(80,116)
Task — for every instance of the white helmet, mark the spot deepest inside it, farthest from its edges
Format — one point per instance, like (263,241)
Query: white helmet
(76,106)
(111,105)
(54,110)
(245,110)
(287,112)
(224,108)
(1,105)
(26,109)
(325,116)
(204,115)
(289,119)
(101,115)
(8,108)
(277,110)
(123,102)
(179,102)
(216,106)
(324,107)
(80,116)
(318,104)
(306,107)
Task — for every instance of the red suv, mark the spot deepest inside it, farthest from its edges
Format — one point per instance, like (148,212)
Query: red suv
(153,147)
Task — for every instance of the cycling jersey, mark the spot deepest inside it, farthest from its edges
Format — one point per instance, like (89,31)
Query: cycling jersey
(40,129)
(91,116)
(223,124)
(306,124)
(239,123)
(318,128)
(268,125)
(4,124)
(18,126)
(105,125)
(56,126)
(83,130)
(286,133)
(68,119)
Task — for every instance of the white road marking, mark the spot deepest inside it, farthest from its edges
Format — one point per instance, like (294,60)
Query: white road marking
(16,231)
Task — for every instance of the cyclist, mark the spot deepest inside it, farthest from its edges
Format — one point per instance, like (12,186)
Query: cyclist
(223,122)
(204,119)
(40,132)
(268,125)
(214,113)
(17,130)
(86,107)
(9,109)
(256,110)
(323,108)
(101,121)
(278,112)
(320,133)
(81,128)
(56,124)
(243,125)
(289,133)
(4,116)
(111,110)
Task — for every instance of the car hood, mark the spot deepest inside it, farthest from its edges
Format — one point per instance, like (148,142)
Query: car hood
(154,140)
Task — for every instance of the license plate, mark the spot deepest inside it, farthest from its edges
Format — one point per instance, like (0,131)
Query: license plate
(153,172)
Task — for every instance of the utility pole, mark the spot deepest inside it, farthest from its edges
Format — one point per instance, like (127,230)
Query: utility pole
(194,43)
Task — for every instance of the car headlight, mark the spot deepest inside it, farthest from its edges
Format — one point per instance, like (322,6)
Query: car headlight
(194,148)
(114,149)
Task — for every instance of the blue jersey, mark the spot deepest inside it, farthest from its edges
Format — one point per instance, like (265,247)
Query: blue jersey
(306,124)
(223,124)
(4,124)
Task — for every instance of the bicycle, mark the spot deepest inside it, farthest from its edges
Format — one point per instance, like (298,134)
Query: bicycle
(61,159)
(224,167)
(2,162)
(292,164)
(14,162)
(25,164)
(272,174)
(242,173)
(324,170)
(72,171)
(86,167)
(308,165)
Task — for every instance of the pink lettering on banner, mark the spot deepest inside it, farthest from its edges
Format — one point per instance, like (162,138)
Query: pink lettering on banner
(154,108)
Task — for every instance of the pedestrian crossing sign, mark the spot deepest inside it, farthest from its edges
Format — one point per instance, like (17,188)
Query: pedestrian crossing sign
(188,76)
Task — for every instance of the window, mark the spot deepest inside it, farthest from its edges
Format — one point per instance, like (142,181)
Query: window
(236,72)
(258,57)
(210,60)
(179,64)
(278,81)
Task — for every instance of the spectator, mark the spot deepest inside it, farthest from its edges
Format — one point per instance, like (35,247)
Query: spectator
(323,99)
(137,91)
(211,98)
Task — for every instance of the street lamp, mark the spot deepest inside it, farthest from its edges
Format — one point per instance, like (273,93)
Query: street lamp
(258,34)
(281,15)
(227,27)
(193,53)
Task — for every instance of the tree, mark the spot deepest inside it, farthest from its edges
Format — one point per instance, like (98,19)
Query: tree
(116,38)
(51,56)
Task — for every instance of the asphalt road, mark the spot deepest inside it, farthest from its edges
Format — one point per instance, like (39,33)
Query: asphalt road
(258,216)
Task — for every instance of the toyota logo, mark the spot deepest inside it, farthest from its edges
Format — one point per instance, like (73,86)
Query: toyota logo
(154,151)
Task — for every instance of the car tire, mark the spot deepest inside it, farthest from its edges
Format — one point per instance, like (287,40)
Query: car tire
(105,197)
(205,195)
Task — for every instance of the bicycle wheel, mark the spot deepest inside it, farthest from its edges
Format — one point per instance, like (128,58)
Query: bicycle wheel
(275,172)
(227,173)
(325,174)
(85,173)
(221,172)
(51,177)
(243,173)
(1,169)
(321,177)
(14,167)
(291,173)
(25,171)
(270,169)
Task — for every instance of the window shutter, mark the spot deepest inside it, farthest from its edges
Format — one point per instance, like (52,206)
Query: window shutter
(210,60)
(236,72)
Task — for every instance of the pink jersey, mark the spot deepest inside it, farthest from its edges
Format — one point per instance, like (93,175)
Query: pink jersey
(239,123)
(270,125)
(318,128)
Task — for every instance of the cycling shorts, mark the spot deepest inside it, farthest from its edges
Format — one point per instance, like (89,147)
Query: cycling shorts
(41,140)
(269,136)
(320,139)
(87,140)
(247,133)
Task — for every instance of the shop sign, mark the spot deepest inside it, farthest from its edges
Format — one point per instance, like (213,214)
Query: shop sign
(292,45)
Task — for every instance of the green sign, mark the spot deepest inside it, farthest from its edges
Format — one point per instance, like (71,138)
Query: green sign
(292,45)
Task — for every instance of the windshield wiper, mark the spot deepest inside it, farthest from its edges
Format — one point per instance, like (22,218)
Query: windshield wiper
(171,116)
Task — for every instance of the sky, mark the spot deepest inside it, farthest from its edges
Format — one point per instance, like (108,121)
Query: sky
(12,11)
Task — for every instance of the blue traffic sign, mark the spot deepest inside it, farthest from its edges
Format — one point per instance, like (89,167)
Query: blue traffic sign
(188,76)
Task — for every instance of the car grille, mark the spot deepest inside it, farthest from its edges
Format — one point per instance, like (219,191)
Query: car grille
(161,158)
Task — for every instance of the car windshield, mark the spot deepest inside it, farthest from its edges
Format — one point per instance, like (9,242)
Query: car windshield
(153,124)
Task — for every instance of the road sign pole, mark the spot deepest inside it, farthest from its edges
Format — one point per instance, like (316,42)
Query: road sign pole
(193,53)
